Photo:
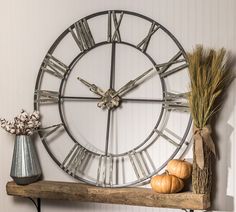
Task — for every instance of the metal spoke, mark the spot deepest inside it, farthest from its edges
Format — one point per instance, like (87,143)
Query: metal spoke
(143,100)
(113,60)
(108,130)
(79,98)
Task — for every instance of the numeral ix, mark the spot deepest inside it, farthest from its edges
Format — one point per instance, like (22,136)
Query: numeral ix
(46,96)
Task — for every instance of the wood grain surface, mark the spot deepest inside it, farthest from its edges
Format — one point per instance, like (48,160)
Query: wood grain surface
(128,196)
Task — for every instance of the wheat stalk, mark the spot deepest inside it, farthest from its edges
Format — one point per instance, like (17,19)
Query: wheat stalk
(210,73)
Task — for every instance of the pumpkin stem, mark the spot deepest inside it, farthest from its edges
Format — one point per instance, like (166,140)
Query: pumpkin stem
(166,172)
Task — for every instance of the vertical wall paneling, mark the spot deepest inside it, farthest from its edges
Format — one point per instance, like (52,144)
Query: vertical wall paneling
(28,28)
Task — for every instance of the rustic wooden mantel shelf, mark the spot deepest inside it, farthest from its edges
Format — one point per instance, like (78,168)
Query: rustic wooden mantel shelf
(128,196)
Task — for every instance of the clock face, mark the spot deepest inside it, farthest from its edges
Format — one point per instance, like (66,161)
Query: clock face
(113,110)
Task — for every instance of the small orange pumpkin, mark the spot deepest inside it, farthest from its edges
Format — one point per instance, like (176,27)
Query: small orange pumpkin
(180,168)
(166,184)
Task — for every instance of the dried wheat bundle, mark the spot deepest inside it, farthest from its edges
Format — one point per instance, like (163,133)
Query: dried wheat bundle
(210,73)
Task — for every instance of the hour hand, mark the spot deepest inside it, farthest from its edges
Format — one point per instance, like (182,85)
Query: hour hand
(131,84)
(92,87)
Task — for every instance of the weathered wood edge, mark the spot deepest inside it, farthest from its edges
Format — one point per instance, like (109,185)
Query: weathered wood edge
(128,196)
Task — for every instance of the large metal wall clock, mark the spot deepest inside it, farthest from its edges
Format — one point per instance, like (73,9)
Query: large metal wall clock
(112,94)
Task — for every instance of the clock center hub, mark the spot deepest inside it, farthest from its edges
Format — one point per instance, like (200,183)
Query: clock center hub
(110,100)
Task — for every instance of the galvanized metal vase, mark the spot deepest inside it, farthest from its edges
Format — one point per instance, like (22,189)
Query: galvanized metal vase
(25,168)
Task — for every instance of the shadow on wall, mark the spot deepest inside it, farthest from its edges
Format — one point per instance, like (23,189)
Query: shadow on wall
(221,200)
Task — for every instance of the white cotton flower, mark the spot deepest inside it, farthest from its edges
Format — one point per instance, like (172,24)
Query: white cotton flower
(37,124)
(35,115)
(3,125)
(22,118)
(30,125)
(30,133)
(23,124)
(24,113)
(3,121)
(33,118)
(18,131)
(20,125)
(11,126)
(12,131)
(30,121)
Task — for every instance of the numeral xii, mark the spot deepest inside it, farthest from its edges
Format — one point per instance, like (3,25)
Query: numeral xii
(115,36)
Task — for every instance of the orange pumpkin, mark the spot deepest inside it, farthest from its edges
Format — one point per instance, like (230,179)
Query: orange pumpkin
(166,184)
(180,168)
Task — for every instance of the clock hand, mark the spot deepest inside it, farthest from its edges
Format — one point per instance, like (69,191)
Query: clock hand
(92,87)
(131,84)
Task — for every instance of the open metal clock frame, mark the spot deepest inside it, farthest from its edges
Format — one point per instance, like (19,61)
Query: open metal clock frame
(60,97)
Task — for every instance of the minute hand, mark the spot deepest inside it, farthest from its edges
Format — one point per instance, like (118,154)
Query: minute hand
(131,84)
(92,87)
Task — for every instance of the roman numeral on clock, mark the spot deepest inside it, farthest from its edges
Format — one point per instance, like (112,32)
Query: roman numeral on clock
(74,159)
(46,96)
(54,66)
(105,170)
(176,102)
(115,35)
(140,164)
(85,162)
(144,43)
(82,35)
(47,131)
(163,69)
(166,137)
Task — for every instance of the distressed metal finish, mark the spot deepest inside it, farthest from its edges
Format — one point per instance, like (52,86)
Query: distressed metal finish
(25,167)
(110,100)
(144,43)
(138,157)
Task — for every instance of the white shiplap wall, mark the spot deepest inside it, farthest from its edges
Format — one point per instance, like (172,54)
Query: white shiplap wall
(29,27)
